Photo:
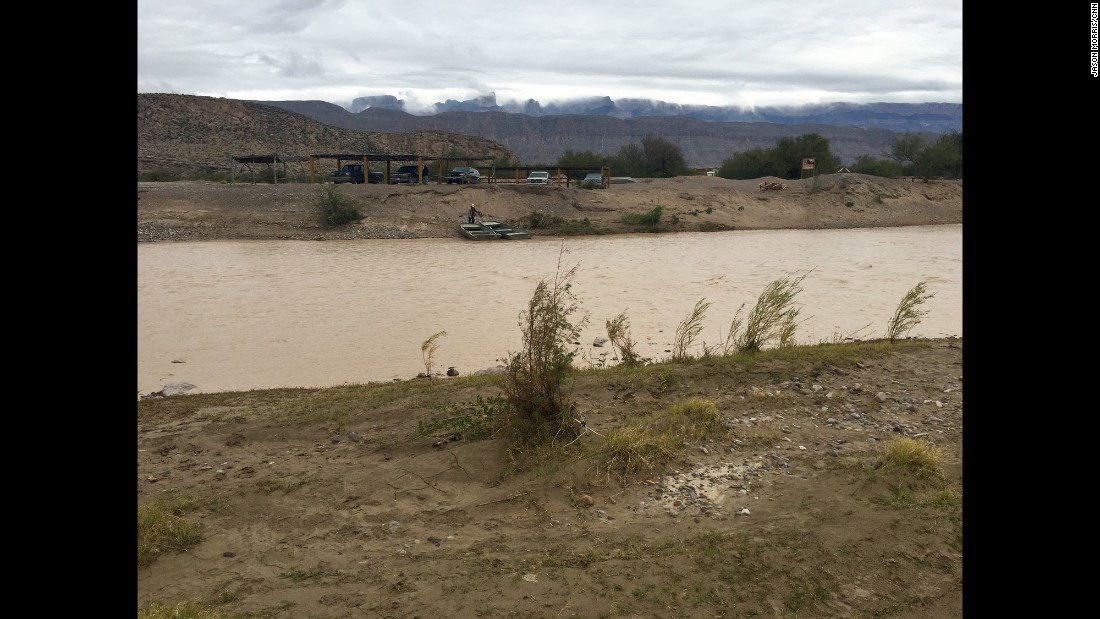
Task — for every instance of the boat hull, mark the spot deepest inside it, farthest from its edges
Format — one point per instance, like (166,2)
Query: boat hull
(505,231)
(478,232)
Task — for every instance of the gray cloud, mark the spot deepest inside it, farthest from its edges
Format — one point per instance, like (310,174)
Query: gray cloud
(725,52)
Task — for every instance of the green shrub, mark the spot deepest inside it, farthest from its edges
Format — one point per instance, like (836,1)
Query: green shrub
(535,379)
(156,177)
(209,176)
(536,221)
(581,227)
(650,218)
(335,208)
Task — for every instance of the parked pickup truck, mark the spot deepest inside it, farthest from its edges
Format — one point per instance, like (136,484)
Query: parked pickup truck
(353,173)
(407,174)
(463,176)
(538,178)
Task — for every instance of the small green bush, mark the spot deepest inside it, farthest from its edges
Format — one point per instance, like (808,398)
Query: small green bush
(156,177)
(650,218)
(536,221)
(335,208)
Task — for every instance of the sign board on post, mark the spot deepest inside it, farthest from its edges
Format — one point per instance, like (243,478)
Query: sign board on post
(807,164)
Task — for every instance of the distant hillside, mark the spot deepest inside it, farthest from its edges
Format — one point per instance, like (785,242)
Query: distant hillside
(182,133)
(543,139)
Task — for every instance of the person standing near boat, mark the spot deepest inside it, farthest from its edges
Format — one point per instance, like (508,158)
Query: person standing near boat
(474,211)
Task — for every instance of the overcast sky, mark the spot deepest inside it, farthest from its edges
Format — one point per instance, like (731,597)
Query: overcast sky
(713,52)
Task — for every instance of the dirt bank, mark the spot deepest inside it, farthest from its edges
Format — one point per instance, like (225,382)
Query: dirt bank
(193,210)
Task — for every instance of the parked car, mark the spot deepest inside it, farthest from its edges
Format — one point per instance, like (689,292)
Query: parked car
(408,174)
(538,178)
(463,176)
(594,180)
(353,173)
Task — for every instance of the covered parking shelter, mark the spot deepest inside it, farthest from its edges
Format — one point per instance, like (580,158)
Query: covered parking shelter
(442,164)
(270,162)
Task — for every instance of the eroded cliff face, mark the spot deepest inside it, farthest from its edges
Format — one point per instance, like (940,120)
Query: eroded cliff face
(181,133)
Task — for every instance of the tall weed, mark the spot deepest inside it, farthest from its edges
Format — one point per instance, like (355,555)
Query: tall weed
(618,332)
(428,348)
(907,315)
(773,318)
(689,329)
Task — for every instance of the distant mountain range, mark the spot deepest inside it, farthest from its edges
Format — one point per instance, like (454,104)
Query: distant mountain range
(707,135)
(901,117)
(187,132)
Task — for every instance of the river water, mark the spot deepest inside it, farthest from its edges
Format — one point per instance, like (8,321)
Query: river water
(240,315)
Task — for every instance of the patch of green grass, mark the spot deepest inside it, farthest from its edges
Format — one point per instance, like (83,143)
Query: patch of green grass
(712,226)
(472,421)
(541,221)
(181,610)
(582,227)
(661,380)
(913,475)
(162,528)
(643,445)
(912,456)
(805,593)
(634,449)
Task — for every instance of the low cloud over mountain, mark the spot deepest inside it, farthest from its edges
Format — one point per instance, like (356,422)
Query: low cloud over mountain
(901,117)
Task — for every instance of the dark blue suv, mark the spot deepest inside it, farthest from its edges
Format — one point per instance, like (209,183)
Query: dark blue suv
(409,174)
(353,173)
